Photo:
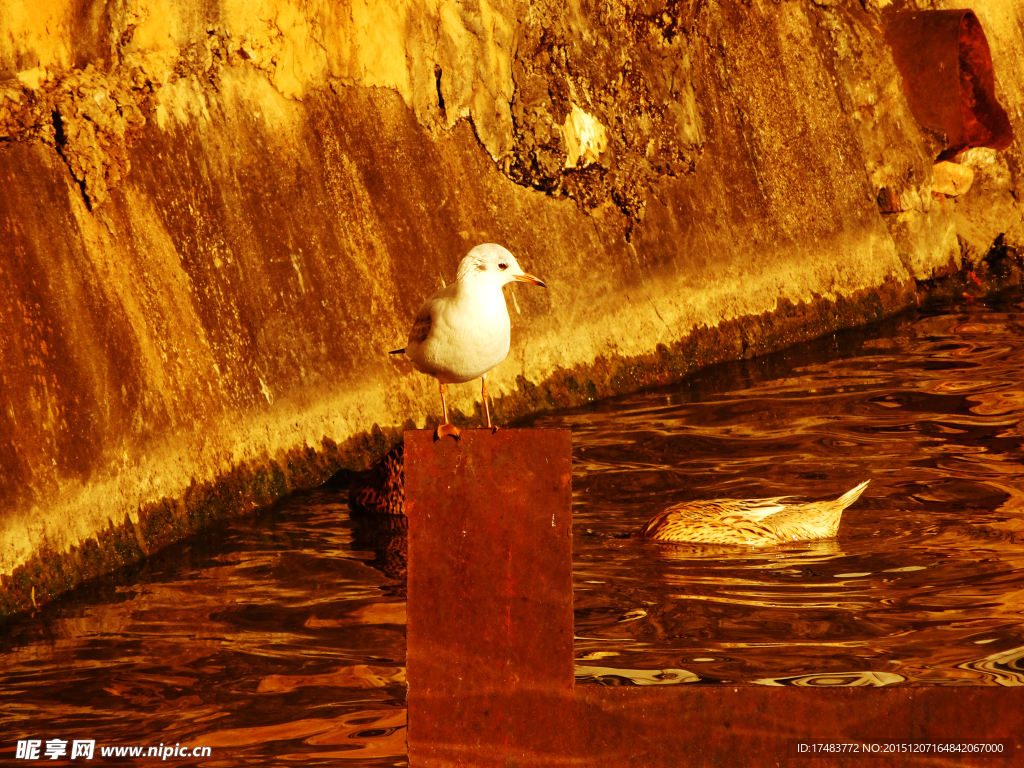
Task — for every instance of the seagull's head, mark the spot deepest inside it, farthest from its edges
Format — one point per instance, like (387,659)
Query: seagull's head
(493,264)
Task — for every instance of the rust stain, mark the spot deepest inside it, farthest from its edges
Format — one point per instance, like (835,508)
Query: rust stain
(946,65)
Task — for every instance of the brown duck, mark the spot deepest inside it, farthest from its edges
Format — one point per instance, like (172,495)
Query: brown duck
(380,490)
(749,522)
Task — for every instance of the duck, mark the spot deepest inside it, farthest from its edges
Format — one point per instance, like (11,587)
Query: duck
(379,491)
(376,501)
(463,331)
(749,522)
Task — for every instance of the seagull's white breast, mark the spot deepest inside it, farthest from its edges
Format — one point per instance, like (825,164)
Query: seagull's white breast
(469,333)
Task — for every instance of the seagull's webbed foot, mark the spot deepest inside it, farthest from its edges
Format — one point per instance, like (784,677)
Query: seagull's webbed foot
(447,429)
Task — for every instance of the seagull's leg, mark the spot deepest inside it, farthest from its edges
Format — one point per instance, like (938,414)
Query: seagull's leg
(487,410)
(444,404)
(447,428)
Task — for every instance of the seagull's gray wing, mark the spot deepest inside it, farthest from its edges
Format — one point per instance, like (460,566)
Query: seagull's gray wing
(422,324)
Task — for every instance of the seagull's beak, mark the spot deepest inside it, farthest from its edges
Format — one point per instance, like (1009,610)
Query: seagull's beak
(524,278)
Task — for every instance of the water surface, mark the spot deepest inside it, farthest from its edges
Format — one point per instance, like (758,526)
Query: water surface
(269,640)
(281,636)
(923,585)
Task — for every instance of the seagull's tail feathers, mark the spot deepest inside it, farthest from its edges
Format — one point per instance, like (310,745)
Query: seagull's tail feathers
(397,352)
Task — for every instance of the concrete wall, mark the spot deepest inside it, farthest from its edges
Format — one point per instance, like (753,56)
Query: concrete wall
(217,217)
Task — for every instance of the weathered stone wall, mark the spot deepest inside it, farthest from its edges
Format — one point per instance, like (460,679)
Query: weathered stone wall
(216,218)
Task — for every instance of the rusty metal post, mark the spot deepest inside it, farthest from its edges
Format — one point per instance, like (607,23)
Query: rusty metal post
(490,624)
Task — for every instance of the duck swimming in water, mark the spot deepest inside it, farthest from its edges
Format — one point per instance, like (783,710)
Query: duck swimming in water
(380,490)
(749,522)
(376,503)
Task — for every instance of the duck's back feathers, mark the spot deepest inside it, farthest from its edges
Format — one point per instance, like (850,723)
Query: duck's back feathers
(713,512)
(380,490)
(752,522)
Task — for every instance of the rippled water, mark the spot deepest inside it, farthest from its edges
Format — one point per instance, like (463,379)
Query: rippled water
(282,635)
(925,582)
(269,641)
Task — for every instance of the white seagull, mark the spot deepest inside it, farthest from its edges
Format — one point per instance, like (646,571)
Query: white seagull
(463,330)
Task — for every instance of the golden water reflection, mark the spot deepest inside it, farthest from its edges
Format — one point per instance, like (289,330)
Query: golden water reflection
(925,583)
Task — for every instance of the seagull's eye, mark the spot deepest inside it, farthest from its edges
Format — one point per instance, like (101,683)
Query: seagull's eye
(503,265)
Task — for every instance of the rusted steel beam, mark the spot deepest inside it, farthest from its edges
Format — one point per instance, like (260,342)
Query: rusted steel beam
(946,66)
(490,635)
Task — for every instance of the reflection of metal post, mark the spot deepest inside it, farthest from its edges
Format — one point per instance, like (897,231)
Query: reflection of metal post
(490,636)
(946,66)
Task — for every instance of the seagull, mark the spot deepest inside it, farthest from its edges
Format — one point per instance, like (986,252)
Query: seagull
(463,330)
(752,522)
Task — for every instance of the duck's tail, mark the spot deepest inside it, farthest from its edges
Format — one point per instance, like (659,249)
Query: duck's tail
(851,495)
